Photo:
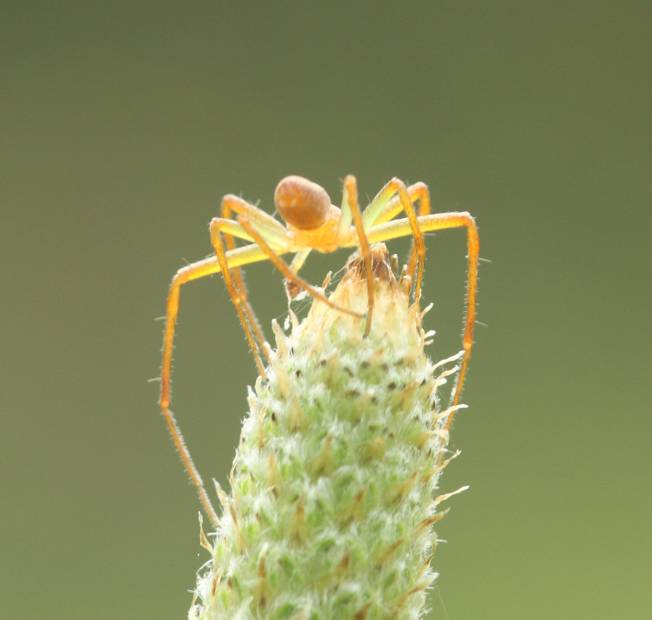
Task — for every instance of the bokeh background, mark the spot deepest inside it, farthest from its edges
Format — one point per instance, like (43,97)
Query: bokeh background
(122,126)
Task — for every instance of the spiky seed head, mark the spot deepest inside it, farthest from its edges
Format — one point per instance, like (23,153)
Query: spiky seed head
(333,488)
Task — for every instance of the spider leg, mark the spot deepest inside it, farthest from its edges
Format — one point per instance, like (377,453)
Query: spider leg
(392,207)
(288,274)
(274,230)
(195,271)
(291,289)
(351,200)
(396,193)
(244,311)
(417,192)
(299,259)
(443,221)
(344,224)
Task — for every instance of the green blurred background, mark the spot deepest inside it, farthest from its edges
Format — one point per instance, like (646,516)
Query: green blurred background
(123,124)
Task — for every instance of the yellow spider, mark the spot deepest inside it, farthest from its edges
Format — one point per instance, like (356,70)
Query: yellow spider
(312,223)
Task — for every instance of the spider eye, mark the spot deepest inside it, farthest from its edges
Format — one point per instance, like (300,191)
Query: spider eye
(302,203)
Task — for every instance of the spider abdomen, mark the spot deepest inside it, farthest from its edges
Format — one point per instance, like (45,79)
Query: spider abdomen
(302,204)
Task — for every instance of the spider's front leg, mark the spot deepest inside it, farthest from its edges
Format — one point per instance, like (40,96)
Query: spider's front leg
(195,271)
(391,200)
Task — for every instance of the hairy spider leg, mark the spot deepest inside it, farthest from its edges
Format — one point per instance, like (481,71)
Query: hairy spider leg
(417,192)
(190,467)
(195,271)
(443,221)
(396,189)
(274,232)
(242,294)
(350,204)
(288,274)
(238,299)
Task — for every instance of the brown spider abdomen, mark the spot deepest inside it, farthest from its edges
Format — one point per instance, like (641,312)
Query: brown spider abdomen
(302,203)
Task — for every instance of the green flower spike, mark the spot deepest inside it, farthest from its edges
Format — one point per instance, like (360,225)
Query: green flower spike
(333,487)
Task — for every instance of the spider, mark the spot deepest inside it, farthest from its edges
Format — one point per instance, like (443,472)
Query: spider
(312,222)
